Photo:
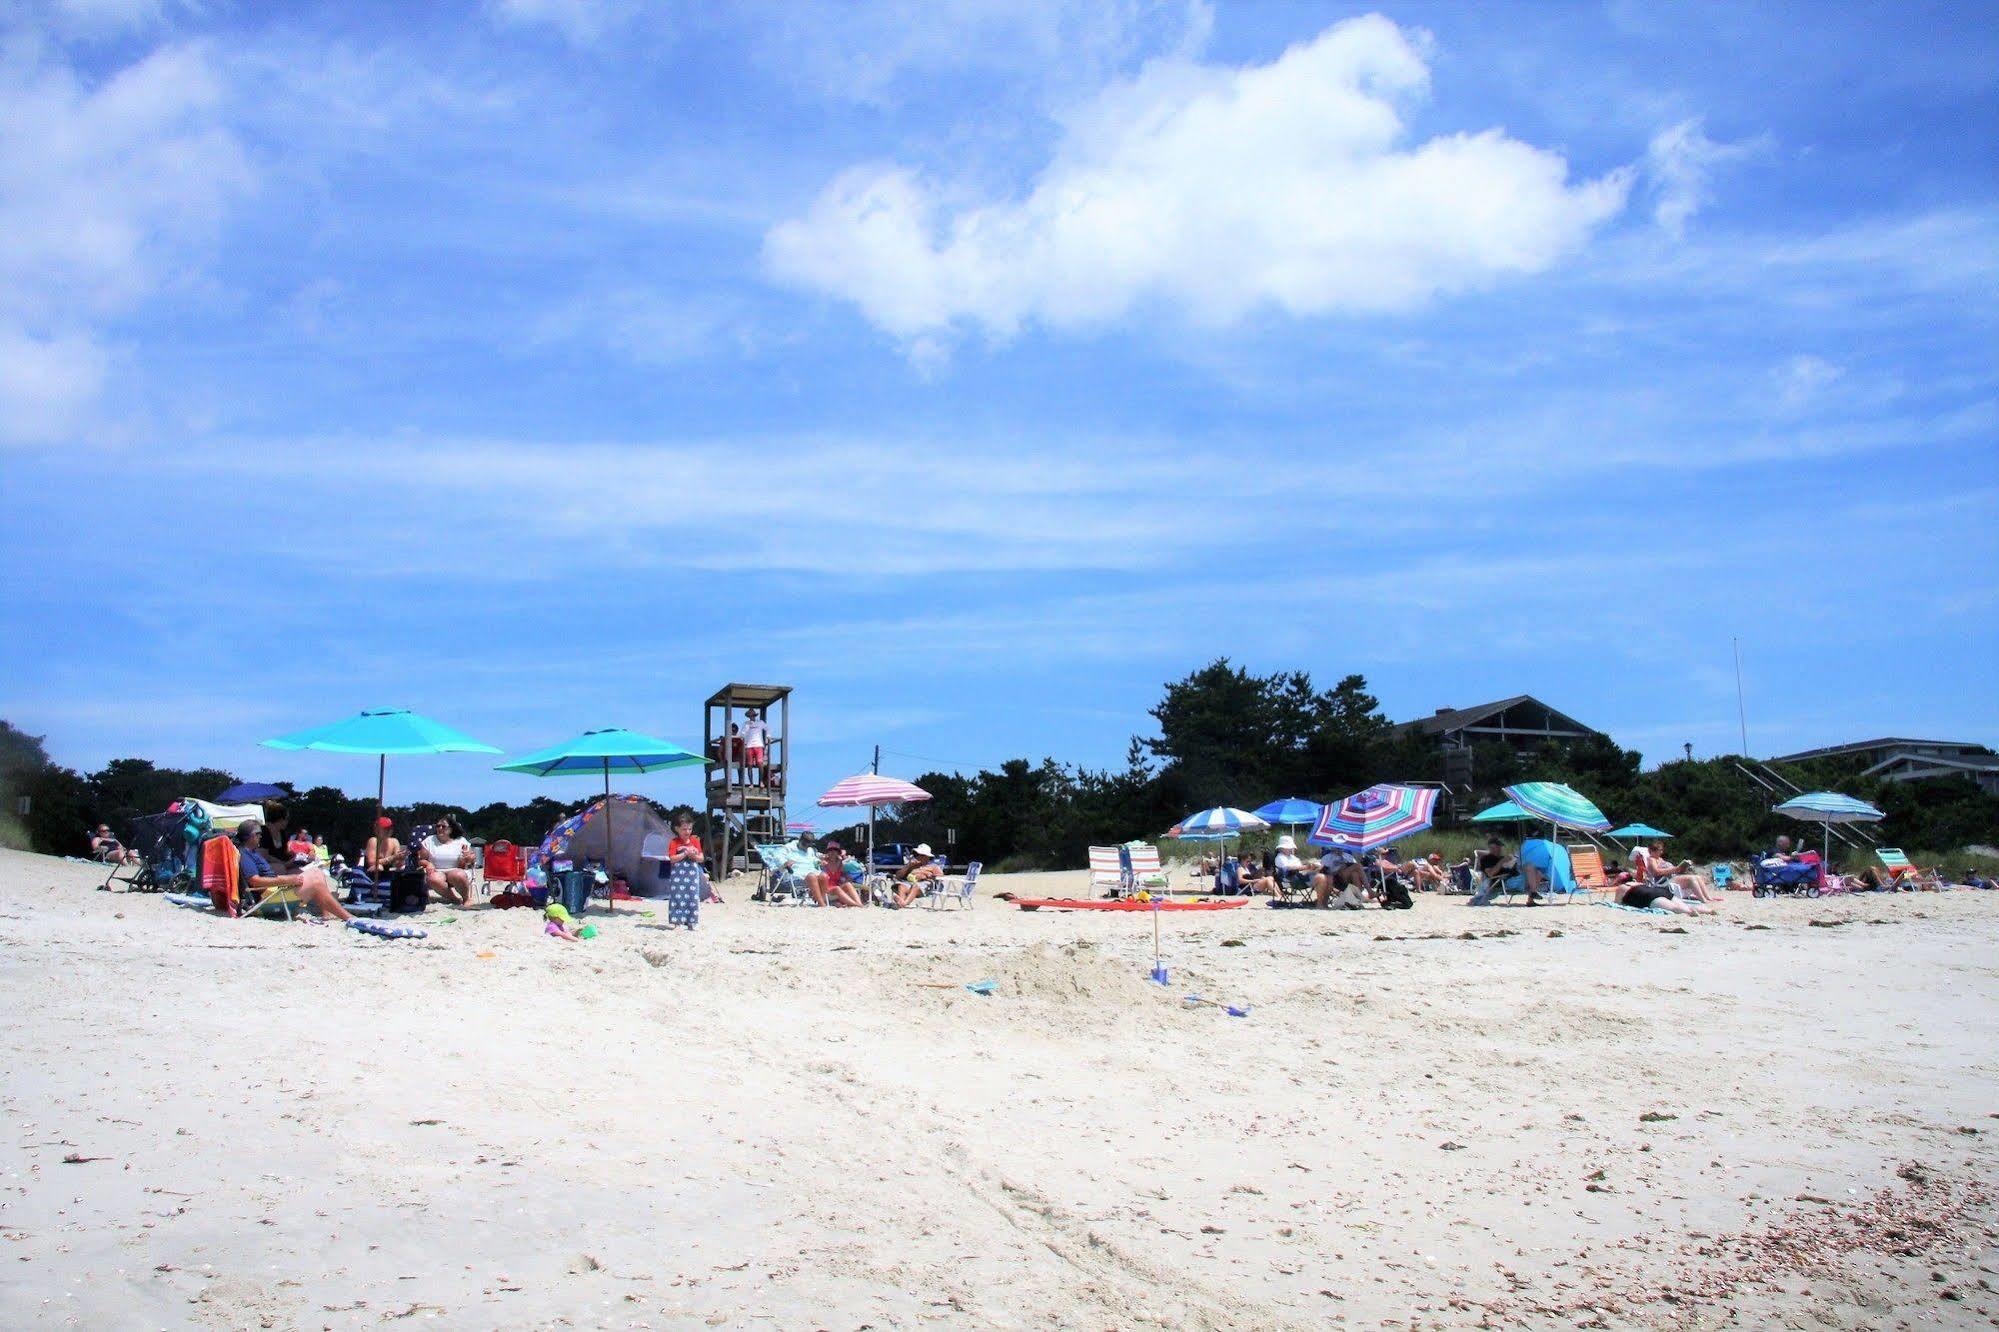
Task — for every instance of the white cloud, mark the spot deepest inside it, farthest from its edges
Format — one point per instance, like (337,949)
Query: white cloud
(1209,192)
(1801,379)
(111,17)
(581,21)
(1680,163)
(105,188)
(47,385)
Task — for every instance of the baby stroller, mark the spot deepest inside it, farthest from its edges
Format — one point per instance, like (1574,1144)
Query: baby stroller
(166,845)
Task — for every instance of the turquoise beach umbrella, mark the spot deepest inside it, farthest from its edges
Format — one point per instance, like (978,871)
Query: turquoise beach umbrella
(1503,812)
(606,751)
(382,733)
(1638,832)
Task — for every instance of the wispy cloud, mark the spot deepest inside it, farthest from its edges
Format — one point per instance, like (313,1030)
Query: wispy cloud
(1680,165)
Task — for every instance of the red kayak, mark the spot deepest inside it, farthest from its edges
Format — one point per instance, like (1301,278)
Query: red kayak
(1078,904)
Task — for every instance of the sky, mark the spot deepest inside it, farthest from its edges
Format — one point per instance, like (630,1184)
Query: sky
(977,366)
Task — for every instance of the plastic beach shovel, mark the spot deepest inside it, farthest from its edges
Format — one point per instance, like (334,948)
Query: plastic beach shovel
(1230,1009)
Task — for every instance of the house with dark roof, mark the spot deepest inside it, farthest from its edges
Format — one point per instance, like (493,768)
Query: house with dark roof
(1523,721)
(1899,759)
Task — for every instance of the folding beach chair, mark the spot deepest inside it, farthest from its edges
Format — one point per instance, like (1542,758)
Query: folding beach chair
(958,892)
(505,864)
(1106,872)
(1586,863)
(781,884)
(1723,875)
(166,853)
(1897,864)
(1146,870)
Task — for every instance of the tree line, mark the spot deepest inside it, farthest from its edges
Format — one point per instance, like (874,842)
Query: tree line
(1224,736)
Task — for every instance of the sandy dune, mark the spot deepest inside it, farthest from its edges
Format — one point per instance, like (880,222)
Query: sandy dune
(775,1123)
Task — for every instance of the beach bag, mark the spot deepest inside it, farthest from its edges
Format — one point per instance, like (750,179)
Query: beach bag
(408,893)
(572,887)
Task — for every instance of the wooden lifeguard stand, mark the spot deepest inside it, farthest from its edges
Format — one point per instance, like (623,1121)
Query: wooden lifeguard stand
(745,804)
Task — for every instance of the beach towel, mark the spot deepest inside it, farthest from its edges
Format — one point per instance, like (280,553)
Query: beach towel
(218,873)
(387,931)
(686,885)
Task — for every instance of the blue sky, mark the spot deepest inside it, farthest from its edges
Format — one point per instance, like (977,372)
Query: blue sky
(976,367)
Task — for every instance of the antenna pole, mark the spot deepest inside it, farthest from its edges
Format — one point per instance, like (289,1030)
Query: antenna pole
(1741,711)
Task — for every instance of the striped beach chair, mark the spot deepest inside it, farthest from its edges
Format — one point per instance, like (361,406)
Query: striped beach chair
(1106,872)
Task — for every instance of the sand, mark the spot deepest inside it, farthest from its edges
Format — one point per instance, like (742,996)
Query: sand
(1555,1117)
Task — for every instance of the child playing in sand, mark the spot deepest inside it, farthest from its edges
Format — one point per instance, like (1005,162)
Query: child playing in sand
(557,924)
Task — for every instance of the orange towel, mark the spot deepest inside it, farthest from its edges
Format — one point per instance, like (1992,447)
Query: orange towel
(218,873)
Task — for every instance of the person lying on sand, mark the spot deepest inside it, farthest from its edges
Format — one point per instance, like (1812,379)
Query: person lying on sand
(1661,896)
(254,871)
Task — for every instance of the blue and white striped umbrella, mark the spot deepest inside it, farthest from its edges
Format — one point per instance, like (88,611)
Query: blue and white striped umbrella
(1829,807)
(1218,822)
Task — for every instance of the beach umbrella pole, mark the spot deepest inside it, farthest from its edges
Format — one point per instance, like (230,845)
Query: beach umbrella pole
(381,781)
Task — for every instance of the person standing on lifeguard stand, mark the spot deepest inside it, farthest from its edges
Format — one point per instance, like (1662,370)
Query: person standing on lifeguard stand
(756,739)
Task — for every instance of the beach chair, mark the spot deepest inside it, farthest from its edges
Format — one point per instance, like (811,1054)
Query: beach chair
(1106,872)
(1586,863)
(505,863)
(958,892)
(167,858)
(781,885)
(1897,864)
(1722,874)
(1147,871)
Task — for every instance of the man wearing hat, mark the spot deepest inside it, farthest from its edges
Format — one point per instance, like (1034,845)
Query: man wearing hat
(919,868)
(384,853)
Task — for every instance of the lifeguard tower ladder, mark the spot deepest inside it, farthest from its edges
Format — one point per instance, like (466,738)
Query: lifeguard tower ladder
(745,805)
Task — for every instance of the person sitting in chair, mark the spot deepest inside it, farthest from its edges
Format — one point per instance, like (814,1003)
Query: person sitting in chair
(383,855)
(1784,854)
(1339,872)
(919,868)
(827,883)
(255,875)
(1653,867)
(107,848)
(1255,877)
(1427,873)
(1494,866)
(1287,864)
(447,862)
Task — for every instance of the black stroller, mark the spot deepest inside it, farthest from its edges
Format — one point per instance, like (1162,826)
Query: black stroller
(167,845)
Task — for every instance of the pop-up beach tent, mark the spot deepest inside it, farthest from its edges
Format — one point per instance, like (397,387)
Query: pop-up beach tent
(582,837)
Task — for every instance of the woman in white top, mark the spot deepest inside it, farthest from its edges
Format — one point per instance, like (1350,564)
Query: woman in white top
(1651,866)
(447,862)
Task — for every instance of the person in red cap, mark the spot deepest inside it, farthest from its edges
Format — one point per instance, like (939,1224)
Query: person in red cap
(383,854)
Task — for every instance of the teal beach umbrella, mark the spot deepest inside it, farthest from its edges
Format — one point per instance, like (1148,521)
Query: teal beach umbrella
(606,751)
(1643,832)
(382,733)
(1503,812)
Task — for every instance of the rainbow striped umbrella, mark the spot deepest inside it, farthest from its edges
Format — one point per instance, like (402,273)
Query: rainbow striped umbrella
(1559,805)
(1381,814)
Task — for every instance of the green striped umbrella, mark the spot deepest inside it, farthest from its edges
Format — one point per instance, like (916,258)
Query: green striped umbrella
(1559,805)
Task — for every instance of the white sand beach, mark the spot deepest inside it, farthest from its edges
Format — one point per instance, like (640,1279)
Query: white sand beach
(1557,1117)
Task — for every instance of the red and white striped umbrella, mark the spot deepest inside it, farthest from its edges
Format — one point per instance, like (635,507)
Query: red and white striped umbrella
(869,788)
